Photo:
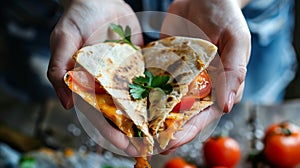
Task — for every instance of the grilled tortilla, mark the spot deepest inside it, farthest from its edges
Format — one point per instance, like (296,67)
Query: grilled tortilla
(183,59)
(114,65)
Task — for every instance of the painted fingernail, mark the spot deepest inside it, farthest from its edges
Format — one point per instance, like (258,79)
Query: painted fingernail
(230,103)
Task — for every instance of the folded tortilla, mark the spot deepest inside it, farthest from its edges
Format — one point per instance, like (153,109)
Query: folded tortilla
(183,59)
(114,65)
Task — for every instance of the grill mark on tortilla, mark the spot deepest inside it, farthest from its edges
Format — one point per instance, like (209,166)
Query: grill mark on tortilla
(179,78)
(177,65)
(98,76)
(169,99)
(109,61)
(151,44)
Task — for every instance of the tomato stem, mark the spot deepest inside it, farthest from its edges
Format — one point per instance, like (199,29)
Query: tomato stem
(286,131)
(223,133)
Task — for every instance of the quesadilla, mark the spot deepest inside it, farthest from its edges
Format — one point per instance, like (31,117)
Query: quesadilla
(185,60)
(106,70)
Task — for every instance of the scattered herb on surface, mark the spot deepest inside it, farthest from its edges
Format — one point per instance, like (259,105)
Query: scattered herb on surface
(141,86)
(27,162)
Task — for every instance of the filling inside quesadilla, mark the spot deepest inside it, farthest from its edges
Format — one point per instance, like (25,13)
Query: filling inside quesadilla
(84,84)
(198,89)
(175,88)
(185,60)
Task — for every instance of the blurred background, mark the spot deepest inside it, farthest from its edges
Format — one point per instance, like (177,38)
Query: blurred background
(32,120)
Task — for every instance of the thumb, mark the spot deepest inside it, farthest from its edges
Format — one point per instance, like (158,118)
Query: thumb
(63,44)
(234,56)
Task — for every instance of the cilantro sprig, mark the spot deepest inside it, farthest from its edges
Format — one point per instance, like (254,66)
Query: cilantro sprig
(124,34)
(141,85)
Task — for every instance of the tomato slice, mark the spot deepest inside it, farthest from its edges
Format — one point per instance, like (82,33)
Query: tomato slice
(186,103)
(86,81)
(201,86)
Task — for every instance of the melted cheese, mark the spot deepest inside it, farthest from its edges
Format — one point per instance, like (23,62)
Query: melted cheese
(104,103)
(142,162)
(172,124)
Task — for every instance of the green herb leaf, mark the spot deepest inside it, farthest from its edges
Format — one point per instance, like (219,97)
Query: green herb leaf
(27,162)
(137,91)
(125,35)
(167,88)
(149,75)
(107,166)
(142,81)
(142,85)
(160,81)
(118,29)
(140,134)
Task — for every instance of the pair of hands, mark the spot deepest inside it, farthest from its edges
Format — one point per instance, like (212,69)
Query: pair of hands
(86,23)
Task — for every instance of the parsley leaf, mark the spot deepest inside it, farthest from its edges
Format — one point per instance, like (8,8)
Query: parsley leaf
(160,81)
(124,34)
(142,85)
(137,91)
(140,133)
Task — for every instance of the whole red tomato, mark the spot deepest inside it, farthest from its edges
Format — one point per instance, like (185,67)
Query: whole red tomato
(282,145)
(178,162)
(221,151)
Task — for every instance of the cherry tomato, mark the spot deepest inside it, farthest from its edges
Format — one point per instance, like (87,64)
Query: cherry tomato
(201,86)
(178,162)
(222,151)
(186,103)
(85,81)
(282,145)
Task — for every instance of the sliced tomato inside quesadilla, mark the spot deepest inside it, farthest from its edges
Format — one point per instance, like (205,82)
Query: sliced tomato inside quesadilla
(197,99)
(186,103)
(109,69)
(198,89)
(106,69)
(201,86)
(86,86)
(185,60)
(86,82)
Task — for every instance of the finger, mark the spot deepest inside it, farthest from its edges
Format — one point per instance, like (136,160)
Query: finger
(193,127)
(108,133)
(234,54)
(103,31)
(239,95)
(132,151)
(64,42)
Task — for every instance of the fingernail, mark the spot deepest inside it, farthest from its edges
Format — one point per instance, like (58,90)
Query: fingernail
(62,95)
(230,103)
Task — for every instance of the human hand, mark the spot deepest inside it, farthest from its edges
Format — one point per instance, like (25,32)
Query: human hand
(224,25)
(86,23)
